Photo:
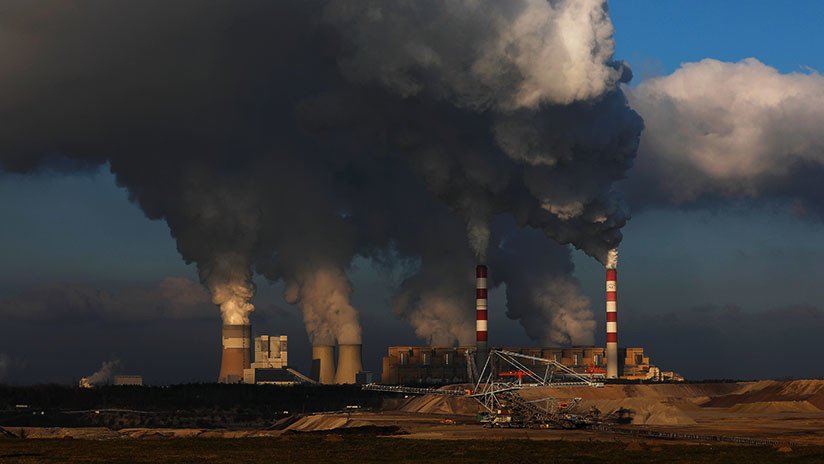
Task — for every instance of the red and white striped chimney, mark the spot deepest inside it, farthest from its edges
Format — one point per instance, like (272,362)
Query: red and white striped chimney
(612,315)
(480,314)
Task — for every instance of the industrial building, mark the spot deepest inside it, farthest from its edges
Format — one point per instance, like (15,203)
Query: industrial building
(407,365)
(271,363)
(128,380)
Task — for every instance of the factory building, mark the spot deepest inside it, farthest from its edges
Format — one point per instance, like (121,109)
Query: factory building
(128,380)
(408,365)
(271,364)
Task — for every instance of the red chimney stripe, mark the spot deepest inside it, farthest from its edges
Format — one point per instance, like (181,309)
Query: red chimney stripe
(480,315)
(480,293)
(612,274)
(480,336)
(612,316)
(612,337)
(480,271)
(611,296)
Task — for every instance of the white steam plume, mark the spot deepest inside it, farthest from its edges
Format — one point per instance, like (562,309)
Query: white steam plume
(103,375)
(612,259)
(323,296)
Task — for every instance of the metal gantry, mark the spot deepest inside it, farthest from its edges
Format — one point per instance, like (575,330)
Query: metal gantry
(501,398)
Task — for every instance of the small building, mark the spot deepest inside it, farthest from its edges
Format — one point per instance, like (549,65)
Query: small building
(128,380)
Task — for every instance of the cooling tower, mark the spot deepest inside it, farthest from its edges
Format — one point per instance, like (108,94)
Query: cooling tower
(324,358)
(237,348)
(480,316)
(612,323)
(349,363)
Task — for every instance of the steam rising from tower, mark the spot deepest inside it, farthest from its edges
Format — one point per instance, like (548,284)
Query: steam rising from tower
(612,314)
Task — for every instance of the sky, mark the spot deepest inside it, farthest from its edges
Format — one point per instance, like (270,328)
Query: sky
(730,291)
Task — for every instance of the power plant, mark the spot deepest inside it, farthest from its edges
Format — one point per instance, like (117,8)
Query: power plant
(343,364)
(271,361)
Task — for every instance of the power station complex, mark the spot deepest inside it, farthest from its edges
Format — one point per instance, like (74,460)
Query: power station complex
(429,365)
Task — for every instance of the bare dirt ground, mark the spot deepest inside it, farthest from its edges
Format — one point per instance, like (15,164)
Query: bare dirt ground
(788,411)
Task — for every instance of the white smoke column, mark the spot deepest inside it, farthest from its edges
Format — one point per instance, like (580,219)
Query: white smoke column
(439,319)
(103,375)
(718,129)
(323,296)
(478,235)
(567,311)
(612,259)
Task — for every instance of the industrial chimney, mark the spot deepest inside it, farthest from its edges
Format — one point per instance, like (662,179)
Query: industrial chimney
(349,363)
(612,315)
(237,347)
(480,316)
(323,363)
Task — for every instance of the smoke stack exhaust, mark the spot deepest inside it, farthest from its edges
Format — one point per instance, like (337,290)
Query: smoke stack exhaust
(480,315)
(349,363)
(323,363)
(612,315)
(237,349)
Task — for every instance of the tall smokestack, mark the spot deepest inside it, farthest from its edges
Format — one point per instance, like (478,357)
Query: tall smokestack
(349,363)
(612,315)
(324,358)
(480,315)
(237,348)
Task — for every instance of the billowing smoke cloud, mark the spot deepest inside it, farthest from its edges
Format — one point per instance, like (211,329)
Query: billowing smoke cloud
(102,376)
(540,291)
(481,54)
(285,138)
(323,294)
(172,298)
(718,131)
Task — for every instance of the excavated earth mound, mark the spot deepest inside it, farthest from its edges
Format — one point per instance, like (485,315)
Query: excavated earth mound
(763,391)
(660,404)
(774,407)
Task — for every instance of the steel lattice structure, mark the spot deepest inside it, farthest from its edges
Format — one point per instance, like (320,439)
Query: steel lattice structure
(501,399)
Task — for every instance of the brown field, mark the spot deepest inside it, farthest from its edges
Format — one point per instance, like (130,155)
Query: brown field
(365,449)
(425,429)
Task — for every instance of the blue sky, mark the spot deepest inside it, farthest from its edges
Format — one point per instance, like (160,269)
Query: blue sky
(81,227)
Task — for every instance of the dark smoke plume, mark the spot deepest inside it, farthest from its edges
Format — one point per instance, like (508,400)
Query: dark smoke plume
(287,137)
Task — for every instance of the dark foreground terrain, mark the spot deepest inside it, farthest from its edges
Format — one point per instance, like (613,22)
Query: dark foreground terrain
(333,448)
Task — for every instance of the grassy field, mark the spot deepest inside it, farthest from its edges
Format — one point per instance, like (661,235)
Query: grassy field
(364,449)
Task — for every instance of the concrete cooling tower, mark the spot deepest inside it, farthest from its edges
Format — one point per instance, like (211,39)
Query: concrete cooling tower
(323,363)
(237,348)
(349,363)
